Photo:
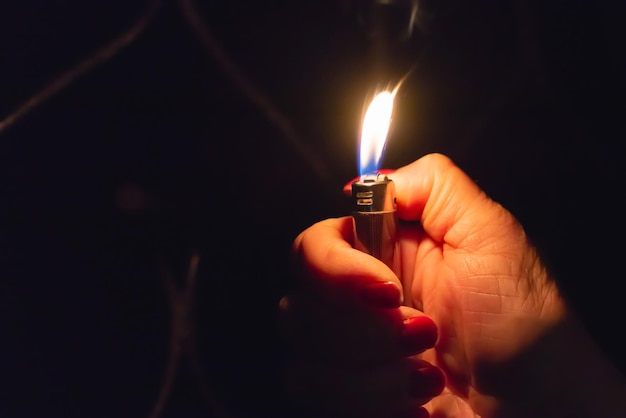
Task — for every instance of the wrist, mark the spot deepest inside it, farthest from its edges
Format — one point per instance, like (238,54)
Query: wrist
(591,384)
(561,373)
(572,375)
(565,374)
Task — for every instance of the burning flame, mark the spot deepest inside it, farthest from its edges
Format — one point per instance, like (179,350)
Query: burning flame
(375,128)
(374,131)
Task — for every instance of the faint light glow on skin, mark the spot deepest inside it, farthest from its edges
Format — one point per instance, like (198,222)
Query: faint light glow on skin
(374,132)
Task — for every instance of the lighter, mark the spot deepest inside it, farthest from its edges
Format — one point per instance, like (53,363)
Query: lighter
(375,219)
(376,223)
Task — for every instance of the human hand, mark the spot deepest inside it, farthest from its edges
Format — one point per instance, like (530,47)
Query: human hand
(355,348)
(472,269)
(507,342)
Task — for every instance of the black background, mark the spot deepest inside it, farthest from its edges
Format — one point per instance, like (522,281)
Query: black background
(527,99)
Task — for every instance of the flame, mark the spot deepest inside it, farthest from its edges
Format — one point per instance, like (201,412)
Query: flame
(374,131)
(376,127)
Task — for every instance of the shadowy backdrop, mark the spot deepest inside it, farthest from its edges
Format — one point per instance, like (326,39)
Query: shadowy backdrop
(157,154)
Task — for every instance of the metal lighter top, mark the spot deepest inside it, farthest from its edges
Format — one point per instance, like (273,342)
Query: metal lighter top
(375,219)
(374,193)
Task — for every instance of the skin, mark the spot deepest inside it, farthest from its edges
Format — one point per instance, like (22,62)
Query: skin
(474,272)
(507,342)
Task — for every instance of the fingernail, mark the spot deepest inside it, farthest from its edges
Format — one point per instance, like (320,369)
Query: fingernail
(418,334)
(381,295)
(426,382)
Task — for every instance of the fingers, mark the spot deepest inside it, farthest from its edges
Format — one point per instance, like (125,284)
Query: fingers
(350,362)
(347,309)
(328,265)
(339,334)
(390,390)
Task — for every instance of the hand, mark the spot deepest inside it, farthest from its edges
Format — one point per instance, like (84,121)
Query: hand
(355,348)
(507,342)
(472,269)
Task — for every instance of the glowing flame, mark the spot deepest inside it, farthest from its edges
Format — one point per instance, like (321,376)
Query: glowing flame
(374,132)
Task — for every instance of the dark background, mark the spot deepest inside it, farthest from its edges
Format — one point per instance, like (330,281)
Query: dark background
(157,153)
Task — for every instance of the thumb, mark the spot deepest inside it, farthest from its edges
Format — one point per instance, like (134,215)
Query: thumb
(449,205)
